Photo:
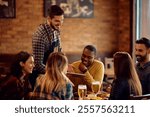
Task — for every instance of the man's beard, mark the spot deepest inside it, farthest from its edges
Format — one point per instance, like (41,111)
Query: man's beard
(140,58)
(54,27)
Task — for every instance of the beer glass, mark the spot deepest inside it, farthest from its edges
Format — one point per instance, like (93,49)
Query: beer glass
(82,91)
(95,87)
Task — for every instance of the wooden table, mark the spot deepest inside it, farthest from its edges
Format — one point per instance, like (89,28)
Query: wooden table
(101,96)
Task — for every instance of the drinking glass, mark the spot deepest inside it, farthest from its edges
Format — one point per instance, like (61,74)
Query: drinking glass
(95,87)
(82,91)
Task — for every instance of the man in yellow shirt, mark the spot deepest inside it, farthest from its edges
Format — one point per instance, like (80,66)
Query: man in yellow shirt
(88,65)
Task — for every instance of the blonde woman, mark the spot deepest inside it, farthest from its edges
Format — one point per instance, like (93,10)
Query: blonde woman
(54,84)
(127,81)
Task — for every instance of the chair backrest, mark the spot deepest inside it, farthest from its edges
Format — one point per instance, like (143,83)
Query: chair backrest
(109,66)
(141,97)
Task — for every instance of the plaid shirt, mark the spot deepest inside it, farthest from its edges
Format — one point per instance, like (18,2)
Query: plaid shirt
(41,43)
(64,94)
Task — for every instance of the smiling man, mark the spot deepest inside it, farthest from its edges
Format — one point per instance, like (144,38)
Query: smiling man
(88,65)
(46,40)
(142,52)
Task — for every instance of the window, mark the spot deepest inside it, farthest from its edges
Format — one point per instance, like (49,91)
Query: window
(142,18)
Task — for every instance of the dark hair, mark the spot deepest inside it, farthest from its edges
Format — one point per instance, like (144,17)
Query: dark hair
(122,65)
(16,69)
(91,48)
(144,41)
(55,10)
(124,69)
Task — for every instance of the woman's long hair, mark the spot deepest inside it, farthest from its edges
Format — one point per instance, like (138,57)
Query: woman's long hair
(16,68)
(124,69)
(55,77)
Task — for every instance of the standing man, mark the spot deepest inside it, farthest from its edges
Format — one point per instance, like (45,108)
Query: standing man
(46,40)
(142,52)
(88,65)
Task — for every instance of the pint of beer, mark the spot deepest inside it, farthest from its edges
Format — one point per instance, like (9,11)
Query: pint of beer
(82,91)
(95,87)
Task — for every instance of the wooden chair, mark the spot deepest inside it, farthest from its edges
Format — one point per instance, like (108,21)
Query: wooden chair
(141,97)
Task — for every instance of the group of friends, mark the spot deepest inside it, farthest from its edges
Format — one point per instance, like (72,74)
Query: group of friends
(42,75)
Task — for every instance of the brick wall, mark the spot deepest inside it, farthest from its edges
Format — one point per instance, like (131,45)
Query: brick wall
(109,30)
(125,17)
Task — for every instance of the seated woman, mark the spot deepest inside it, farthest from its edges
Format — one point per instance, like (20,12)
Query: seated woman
(16,84)
(54,84)
(127,81)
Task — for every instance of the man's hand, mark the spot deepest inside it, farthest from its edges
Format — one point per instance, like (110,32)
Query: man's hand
(82,68)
